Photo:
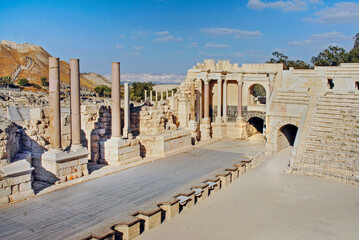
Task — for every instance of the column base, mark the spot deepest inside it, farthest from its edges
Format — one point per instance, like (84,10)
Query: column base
(120,151)
(192,126)
(218,129)
(205,129)
(63,166)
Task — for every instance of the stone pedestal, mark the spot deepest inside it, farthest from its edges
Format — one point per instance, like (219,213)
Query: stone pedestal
(121,151)
(64,166)
(241,125)
(218,130)
(165,144)
(205,128)
(192,126)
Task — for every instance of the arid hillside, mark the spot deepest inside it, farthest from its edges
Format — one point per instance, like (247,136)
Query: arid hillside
(29,61)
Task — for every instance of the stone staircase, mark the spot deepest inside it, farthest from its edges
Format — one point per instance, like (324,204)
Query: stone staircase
(329,146)
(292,97)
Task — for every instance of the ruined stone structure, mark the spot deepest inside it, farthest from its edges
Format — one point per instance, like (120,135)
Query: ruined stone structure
(314,111)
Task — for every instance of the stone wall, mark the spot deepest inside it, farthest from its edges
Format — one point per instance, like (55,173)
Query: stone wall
(156,119)
(10,140)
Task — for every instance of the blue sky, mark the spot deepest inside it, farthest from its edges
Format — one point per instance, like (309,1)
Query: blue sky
(170,36)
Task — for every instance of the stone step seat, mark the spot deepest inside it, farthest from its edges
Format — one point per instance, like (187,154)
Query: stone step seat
(291,102)
(334,136)
(330,121)
(331,142)
(329,170)
(291,93)
(337,104)
(344,129)
(348,113)
(349,163)
(327,174)
(326,139)
(330,156)
(330,167)
(326,117)
(340,96)
(342,109)
(294,97)
(328,148)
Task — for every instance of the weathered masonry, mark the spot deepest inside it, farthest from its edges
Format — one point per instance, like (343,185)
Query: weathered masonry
(314,111)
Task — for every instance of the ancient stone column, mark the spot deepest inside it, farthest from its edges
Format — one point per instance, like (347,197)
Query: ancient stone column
(239,115)
(54,104)
(166,94)
(193,101)
(127,112)
(151,97)
(225,100)
(172,93)
(116,101)
(156,96)
(219,101)
(161,95)
(145,95)
(206,99)
(75,104)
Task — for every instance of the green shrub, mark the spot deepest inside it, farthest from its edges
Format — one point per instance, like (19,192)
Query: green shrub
(44,82)
(103,91)
(23,82)
(5,81)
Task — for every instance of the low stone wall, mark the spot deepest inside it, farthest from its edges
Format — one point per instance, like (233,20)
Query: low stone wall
(10,139)
(165,144)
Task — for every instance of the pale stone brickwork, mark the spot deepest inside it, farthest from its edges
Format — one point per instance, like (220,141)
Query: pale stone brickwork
(225,106)
(15,168)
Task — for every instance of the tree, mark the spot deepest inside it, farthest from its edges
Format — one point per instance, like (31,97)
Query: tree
(332,56)
(258,91)
(44,82)
(103,91)
(356,41)
(23,82)
(281,58)
(137,91)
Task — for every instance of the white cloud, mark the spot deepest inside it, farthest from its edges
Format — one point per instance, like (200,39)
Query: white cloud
(237,54)
(163,33)
(138,48)
(168,38)
(120,46)
(122,36)
(343,12)
(286,6)
(207,54)
(193,44)
(216,45)
(214,32)
(321,39)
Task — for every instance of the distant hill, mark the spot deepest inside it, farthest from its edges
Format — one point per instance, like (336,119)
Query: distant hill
(29,61)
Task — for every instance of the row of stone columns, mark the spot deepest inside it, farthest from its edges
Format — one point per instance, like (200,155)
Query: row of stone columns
(219,100)
(55,107)
(151,95)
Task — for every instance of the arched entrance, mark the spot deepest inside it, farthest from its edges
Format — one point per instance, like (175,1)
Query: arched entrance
(257,95)
(286,136)
(254,126)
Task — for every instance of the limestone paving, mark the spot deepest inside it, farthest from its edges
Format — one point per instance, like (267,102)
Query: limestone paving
(76,212)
